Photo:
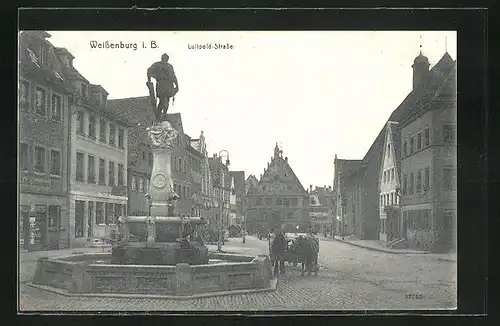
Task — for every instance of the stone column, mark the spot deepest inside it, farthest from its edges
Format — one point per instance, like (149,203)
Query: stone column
(161,186)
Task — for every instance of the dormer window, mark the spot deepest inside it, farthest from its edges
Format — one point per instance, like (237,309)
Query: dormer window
(389,150)
(84,90)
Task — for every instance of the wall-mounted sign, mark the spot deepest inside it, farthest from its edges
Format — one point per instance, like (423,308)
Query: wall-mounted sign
(36,181)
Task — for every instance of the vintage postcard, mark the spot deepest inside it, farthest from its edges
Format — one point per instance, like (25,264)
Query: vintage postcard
(237,171)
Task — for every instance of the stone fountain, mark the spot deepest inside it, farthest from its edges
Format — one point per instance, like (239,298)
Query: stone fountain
(165,260)
(164,240)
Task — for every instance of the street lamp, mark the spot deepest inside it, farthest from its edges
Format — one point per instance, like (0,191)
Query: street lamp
(221,199)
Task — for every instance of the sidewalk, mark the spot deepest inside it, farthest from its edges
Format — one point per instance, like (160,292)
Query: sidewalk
(377,246)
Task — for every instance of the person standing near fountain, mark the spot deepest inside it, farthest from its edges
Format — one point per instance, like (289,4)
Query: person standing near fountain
(166,86)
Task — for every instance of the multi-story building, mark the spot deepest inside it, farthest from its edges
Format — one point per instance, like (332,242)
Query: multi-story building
(429,159)
(206,195)
(390,184)
(239,189)
(251,183)
(43,145)
(186,160)
(343,169)
(279,199)
(362,186)
(322,209)
(221,183)
(98,159)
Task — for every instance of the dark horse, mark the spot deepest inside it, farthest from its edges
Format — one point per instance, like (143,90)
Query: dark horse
(278,249)
(307,249)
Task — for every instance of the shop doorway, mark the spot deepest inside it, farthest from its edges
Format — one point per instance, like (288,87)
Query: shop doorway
(24,227)
(90,220)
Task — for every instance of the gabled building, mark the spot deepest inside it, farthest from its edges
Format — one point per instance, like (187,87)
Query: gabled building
(98,156)
(390,184)
(279,199)
(206,192)
(251,183)
(429,159)
(362,185)
(43,111)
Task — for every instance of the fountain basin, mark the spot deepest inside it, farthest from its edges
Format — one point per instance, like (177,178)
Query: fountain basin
(91,274)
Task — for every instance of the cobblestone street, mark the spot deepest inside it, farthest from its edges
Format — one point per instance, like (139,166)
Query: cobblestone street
(350,278)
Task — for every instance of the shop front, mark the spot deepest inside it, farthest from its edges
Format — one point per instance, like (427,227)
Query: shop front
(43,222)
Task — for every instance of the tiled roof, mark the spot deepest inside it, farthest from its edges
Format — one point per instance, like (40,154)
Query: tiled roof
(415,99)
(98,88)
(30,63)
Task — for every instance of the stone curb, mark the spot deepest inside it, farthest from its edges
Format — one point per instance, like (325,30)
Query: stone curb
(272,287)
(395,252)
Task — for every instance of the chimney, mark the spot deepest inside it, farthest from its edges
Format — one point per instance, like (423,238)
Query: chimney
(261,177)
(267,164)
(310,188)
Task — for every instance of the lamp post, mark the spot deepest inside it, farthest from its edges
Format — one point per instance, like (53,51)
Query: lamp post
(244,221)
(221,199)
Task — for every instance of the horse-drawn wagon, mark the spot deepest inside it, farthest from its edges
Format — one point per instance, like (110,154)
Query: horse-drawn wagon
(301,248)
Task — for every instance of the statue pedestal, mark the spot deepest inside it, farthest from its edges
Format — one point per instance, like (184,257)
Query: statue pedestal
(161,187)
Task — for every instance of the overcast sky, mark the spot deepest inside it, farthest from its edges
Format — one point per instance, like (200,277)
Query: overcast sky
(316,93)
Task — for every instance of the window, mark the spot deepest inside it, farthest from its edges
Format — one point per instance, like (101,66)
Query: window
(99,213)
(141,184)
(79,167)
(120,174)
(102,171)
(419,141)
(279,201)
(405,148)
(24,95)
(295,201)
(24,160)
(146,185)
(121,137)
(143,156)
(180,165)
(183,192)
(112,134)
(426,137)
(54,217)
(388,150)
(385,177)
(110,207)
(426,178)
(55,162)
(258,201)
(79,123)
(150,159)
(392,174)
(39,159)
(102,131)
(91,169)
(79,218)
(56,108)
(381,201)
(412,143)
(133,181)
(111,174)
(286,202)
(405,184)
(410,183)
(92,122)
(450,134)
(419,180)
(40,102)
(449,178)
(185,166)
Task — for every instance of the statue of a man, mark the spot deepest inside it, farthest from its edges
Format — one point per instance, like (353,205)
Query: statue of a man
(166,86)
